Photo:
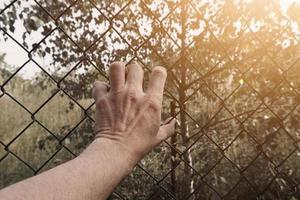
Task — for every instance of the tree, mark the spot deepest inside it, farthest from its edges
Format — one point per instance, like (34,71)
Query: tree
(233,79)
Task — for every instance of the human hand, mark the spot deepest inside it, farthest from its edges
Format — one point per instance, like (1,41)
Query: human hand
(127,116)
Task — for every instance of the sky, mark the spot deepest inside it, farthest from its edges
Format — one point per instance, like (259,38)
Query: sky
(16,56)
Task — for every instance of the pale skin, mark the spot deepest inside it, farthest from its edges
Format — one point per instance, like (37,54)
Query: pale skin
(127,126)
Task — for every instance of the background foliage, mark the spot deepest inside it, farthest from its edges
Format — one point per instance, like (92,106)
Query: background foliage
(233,83)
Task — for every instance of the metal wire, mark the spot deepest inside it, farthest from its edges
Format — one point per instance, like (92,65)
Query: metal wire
(209,138)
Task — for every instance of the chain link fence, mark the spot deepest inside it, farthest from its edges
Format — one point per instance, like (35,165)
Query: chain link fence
(233,83)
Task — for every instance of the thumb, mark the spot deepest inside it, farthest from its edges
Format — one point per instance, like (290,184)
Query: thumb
(166,130)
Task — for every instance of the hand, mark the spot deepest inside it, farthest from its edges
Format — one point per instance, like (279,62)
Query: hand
(126,115)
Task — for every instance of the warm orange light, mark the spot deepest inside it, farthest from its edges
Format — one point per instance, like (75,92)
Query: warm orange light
(286,3)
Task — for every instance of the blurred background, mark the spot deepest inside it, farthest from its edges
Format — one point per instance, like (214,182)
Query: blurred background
(233,83)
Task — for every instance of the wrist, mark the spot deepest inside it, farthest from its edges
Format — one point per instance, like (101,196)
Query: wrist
(112,150)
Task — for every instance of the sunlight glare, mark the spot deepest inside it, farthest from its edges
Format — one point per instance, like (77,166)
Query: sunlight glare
(286,3)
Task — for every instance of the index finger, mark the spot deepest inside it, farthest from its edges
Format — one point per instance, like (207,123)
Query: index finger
(157,82)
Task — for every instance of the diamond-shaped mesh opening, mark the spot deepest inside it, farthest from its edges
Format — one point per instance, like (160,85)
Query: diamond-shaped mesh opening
(261,30)
(260,173)
(224,182)
(223,128)
(11,110)
(211,54)
(233,84)
(275,143)
(204,101)
(265,72)
(231,31)
(152,53)
(205,155)
(196,88)
(109,48)
(151,56)
(224,82)
(66,114)
(187,133)
(36,23)
(261,123)
(162,158)
(193,22)
(83,23)
(284,101)
(35,82)
(282,51)
(57,61)
(276,44)
(133,24)
(79,82)
(242,151)
(243,102)
(242,56)
(35,140)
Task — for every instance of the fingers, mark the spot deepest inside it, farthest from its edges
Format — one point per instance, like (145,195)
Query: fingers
(100,89)
(157,82)
(117,76)
(135,76)
(166,130)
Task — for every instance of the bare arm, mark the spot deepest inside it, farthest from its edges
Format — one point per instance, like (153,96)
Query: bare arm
(127,127)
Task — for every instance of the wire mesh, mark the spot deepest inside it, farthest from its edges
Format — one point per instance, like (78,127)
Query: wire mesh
(233,83)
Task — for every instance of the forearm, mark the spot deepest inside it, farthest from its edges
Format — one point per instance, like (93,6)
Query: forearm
(128,125)
(92,175)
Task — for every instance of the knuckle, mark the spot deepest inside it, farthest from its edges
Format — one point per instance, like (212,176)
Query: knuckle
(101,102)
(160,71)
(152,103)
(132,95)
